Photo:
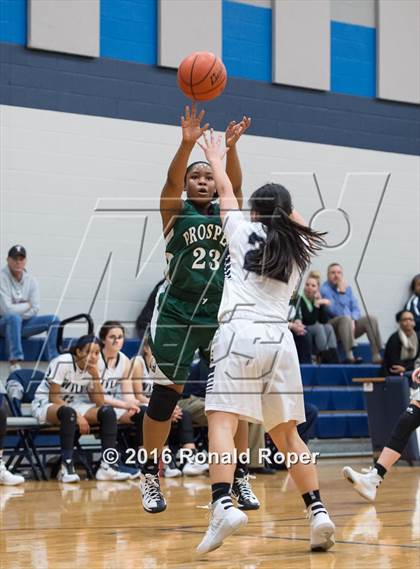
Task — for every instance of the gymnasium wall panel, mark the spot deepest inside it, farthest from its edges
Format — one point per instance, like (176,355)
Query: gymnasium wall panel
(399,50)
(65,26)
(13,21)
(185,27)
(358,12)
(247,40)
(82,192)
(353,59)
(129,30)
(256,3)
(301,43)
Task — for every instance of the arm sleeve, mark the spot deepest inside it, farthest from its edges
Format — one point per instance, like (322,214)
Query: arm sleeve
(354,306)
(6,304)
(34,299)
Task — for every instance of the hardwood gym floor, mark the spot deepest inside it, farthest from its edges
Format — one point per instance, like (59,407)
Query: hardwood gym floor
(101,525)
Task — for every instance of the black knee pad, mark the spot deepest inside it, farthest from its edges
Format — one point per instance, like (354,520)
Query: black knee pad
(107,415)
(162,402)
(407,423)
(67,415)
(3,428)
(3,423)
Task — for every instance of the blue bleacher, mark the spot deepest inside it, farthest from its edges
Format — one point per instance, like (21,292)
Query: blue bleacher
(336,399)
(329,387)
(336,374)
(342,425)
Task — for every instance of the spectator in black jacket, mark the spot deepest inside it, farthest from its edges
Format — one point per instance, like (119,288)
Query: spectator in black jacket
(413,303)
(403,346)
(312,312)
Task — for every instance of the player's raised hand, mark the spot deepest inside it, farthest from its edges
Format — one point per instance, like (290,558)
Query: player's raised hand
(191,124)
(212,146)
(235,130)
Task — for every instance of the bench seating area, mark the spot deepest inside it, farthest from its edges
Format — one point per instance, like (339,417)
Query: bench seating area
(340,402)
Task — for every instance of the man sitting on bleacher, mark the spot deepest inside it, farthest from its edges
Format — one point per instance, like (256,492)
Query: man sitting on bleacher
(346,319)
(19,307)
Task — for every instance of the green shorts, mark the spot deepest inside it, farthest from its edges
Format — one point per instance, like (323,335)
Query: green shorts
(178,330)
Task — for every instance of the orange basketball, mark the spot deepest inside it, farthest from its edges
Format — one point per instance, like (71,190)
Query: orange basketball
(202,76)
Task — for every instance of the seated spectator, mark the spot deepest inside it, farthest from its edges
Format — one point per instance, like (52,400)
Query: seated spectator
(403,346)
(19,307)
(345,316)
(114,369)
(413,303)
(312,312)
(6,477)
(182,433)
(303,342)
(71,396)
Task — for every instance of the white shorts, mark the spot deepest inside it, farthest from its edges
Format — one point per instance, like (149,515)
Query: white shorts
(39,409)
(255,373)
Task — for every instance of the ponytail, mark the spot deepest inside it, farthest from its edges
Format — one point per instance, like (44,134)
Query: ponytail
(287,244)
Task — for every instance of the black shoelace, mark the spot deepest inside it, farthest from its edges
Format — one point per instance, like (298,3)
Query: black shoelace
(152,487)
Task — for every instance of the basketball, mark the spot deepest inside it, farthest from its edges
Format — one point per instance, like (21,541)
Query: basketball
(202,76)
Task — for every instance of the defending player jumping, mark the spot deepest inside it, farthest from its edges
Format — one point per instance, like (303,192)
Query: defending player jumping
(256,373)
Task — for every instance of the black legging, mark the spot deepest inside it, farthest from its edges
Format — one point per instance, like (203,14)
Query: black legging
(182,431)
(3,426)
(306,430)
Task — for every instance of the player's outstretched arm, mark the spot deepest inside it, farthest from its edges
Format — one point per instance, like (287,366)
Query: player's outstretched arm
(215,152)
(233,166)
(170,198)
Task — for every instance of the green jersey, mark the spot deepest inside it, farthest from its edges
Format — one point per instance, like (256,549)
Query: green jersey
(195,251)
(187,305)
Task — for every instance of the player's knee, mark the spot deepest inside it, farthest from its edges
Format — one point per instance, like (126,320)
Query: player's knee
(407,424)
(67,415)
(107,415)
(162,402)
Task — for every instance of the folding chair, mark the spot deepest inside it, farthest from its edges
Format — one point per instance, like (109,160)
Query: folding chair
(20,388)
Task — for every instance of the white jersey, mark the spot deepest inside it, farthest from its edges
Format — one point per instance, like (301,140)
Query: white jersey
(147,382)
(243,289)
(74,383)
(111,377)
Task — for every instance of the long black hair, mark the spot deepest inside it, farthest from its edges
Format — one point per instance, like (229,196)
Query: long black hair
(84,341)
(287,244)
